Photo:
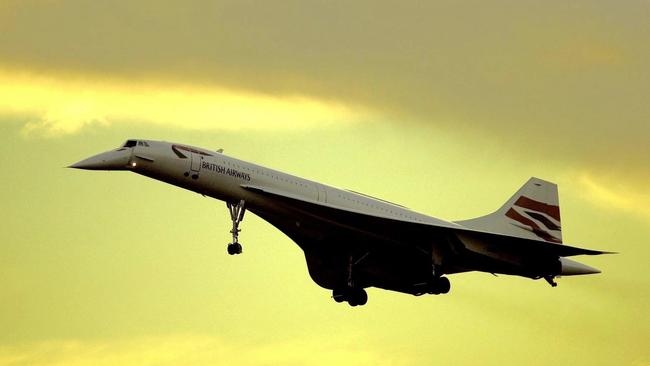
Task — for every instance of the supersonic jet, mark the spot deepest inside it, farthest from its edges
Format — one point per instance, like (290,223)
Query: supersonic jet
(353,241)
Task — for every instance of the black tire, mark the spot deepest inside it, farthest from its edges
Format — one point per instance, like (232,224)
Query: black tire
(338,295)
(231,249)
(357,297)
(443,285)
(362,297)
(351,296)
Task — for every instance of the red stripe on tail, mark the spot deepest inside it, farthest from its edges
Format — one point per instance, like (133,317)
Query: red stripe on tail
(533,226)
(551,210)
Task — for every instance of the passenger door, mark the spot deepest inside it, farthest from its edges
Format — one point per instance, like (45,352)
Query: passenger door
(322,193)
(195,165)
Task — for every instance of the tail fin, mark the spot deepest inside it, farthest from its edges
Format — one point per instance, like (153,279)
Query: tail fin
(533,213)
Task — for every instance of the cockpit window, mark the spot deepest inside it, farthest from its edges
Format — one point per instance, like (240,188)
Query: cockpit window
(132,143)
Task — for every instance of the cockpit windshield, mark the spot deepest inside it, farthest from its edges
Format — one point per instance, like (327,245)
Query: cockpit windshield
(132,143)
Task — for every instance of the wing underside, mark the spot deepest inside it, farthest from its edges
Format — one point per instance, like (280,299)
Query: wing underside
(400,255)
(398,232)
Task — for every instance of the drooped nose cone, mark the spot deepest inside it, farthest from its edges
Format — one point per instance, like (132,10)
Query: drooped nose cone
(110,160)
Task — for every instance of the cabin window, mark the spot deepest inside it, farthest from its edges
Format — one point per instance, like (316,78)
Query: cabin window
(130,143)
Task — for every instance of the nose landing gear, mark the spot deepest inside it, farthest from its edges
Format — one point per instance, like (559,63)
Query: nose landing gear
(234,248)
(237,211)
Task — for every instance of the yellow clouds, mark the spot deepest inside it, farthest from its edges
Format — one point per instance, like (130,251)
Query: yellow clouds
(62,104)
(584,54)
(618,197)
(192,350)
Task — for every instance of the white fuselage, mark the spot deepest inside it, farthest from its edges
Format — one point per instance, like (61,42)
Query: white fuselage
(223,177)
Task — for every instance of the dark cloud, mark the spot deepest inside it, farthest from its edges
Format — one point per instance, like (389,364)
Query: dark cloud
(551,80)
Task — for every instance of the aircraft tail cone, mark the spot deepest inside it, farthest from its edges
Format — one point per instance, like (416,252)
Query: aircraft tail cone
(573,268)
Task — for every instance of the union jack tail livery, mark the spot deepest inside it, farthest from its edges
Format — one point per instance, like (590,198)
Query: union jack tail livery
(533,213)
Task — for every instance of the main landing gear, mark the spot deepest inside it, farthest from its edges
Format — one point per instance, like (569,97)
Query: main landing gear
(439,285)
(353,295)
(237,211)
(436,285)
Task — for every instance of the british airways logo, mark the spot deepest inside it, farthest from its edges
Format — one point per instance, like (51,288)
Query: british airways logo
(538,217)
(225,171)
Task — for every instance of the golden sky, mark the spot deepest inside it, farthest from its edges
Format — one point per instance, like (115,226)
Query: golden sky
(446,107)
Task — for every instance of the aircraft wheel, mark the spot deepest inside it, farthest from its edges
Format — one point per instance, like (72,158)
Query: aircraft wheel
(234,248)
(338,295)
(443,285)
(353,302)
(358,297)
(362,297)
(231,249)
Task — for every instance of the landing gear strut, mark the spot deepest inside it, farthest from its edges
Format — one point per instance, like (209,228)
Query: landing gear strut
(237,211)
(438,284)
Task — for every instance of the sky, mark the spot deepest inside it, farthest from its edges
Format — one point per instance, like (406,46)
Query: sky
(446,107)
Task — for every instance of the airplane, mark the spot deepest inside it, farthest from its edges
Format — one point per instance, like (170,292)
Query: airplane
(353,241)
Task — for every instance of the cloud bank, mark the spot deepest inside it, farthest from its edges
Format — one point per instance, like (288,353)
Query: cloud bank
(550,80)
(59,104)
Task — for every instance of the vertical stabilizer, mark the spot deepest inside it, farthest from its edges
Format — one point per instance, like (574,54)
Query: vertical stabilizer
(533,212)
